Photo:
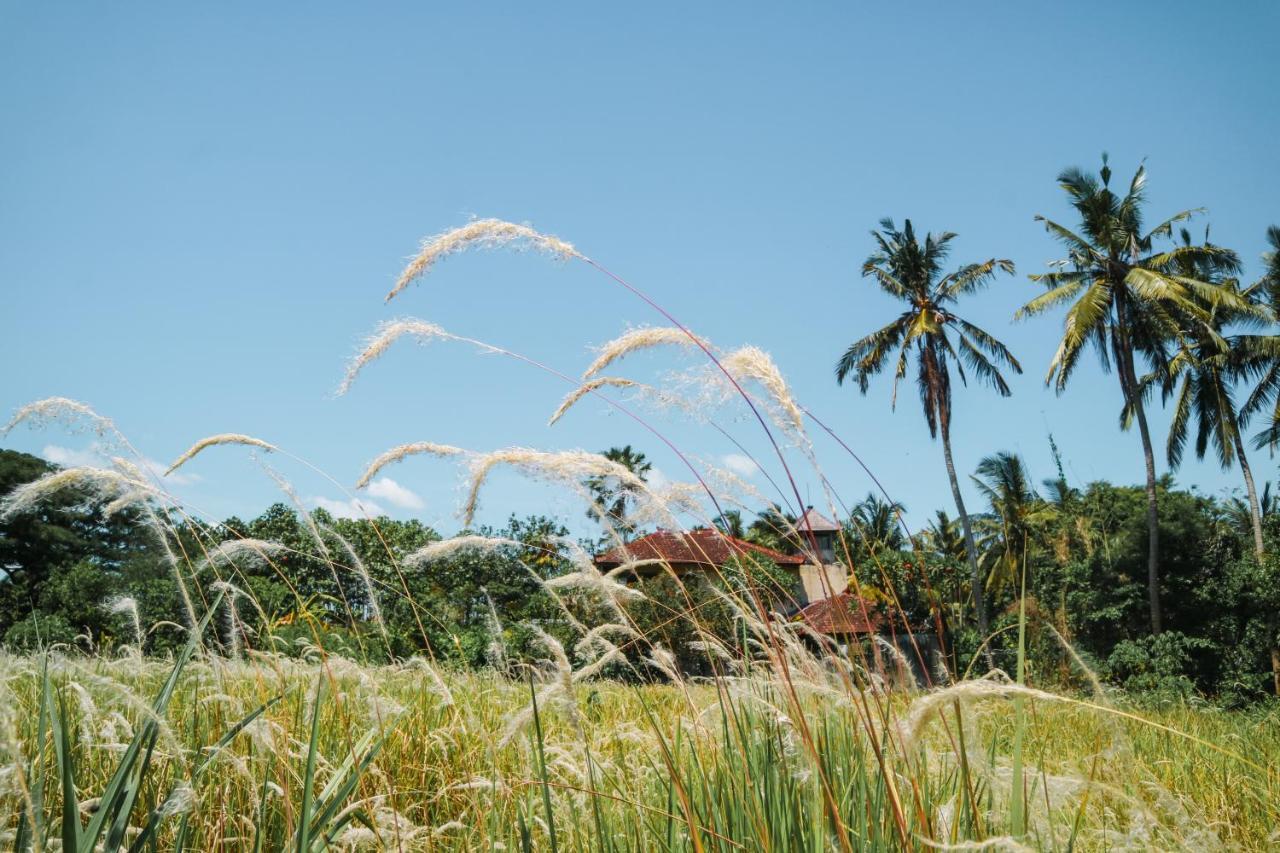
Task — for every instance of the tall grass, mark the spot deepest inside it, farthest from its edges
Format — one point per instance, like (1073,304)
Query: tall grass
(792,743)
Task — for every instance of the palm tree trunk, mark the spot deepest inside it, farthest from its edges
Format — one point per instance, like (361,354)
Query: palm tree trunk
(1255,517)
(970,549)
(1255,510)
(1153,521)
(1133,396)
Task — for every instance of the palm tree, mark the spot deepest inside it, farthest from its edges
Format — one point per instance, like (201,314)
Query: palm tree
(730,524)
(875,527)
(943,537)
(1127,303)
(774,528)
(613,500)
(1017,510)
(911,272)
(1263,363)
(1201,377)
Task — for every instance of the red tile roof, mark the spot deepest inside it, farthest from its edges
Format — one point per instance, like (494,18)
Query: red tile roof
(841,614)
(705,547)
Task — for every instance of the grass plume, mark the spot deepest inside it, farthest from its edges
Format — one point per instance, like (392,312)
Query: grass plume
(400,452)
(217,441)
(479,234)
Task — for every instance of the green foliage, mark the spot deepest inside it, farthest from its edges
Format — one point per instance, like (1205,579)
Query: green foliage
(1160,664)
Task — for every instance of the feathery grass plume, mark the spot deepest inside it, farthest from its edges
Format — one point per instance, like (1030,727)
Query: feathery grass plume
(216,440)
(128,606)
(646,337)
(752,364)
(480,234)
(233,615)
(903,674)
(443,548)
(570,467)
(52,409)
(416,664)
(996,685)
(587,388)
(588,577)
(381,340)
(234,549)
(375,610)
(399,452)
(496,651)
(101,484)
(558,689)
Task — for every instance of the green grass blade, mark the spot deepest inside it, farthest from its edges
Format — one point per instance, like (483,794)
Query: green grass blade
(309,776)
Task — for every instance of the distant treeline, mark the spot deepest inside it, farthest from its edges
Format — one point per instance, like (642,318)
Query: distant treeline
(1083,551)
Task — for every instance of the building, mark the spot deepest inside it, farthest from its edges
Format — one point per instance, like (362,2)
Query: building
(697,550)
(707,548)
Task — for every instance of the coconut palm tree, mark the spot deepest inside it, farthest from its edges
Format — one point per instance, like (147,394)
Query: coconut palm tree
(1200,378)
(943,537)
(928,329)
(774,528)
(1127,302)
(1017,511)
(873,524)
(613,500)
(1263,362)
(730,524)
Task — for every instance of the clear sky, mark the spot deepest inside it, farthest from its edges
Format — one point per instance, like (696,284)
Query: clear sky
(202,206)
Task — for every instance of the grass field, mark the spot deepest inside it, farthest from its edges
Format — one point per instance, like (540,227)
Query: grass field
(410,758)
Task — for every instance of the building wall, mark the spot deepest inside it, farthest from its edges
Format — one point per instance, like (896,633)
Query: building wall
(821,582)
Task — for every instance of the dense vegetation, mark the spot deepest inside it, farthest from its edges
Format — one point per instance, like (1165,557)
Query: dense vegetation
(304,681)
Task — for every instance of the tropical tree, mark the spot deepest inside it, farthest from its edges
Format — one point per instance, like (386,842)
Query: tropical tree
(774,528)
(943,537)
(613,501)
(874,525)
(1263,363)
(1128,302)
(1200,378)
(1018,512)
(911,271)
(730,524)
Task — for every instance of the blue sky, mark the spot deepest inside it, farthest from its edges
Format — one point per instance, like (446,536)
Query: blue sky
(201,209)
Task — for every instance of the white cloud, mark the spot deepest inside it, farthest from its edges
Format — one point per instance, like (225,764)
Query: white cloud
(395,494)
(97,456)
(354,508)
(69,457)
(743,466)
(657,479)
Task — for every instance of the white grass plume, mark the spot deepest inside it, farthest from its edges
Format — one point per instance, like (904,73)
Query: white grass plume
(375,609)
(62,409)
(402,451)
(448,547)
(637,339)
(217,440)
(382,339)
(588,577)
(996,686)
(566,466)
(235,549)
(128,606)
(230,594)
(752,364)
(586,388)
(480,234)
(102,484)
